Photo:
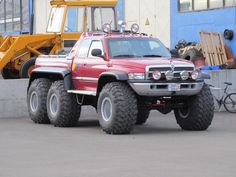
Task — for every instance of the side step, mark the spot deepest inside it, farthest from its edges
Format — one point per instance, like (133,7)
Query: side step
(82,92)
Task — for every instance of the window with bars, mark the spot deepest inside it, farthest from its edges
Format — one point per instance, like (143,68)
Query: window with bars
(14,16)
(197,5)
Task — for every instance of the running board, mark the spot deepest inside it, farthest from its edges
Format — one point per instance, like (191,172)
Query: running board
(82,92)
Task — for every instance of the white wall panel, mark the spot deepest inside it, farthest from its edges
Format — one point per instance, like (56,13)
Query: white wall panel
(156,12)
(42,10)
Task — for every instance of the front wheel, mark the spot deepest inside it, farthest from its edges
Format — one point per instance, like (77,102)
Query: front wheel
(230,103)
(143,112)
(198,111)
(117,108)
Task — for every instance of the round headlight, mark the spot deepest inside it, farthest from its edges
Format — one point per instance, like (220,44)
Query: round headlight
(134,28)
(195,75)
(184,75)
(169,75)
(156,75)
(106,28)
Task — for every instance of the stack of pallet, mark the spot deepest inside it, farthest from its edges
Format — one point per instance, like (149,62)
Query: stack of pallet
(213,48)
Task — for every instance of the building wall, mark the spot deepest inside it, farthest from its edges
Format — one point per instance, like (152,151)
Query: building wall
(15,16)
(153,17)
(188,25)
(41,15)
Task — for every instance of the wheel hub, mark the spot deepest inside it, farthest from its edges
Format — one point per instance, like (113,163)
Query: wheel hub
(184,112)
(34,101)
(106,109)
(53,104)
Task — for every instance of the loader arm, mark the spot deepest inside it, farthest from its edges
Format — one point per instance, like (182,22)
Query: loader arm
(21,47)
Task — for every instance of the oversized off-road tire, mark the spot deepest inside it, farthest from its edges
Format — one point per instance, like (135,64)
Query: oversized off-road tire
(62,107)
(143,112)
(27,67)
(198,111)
(117,108)
(9,73)
(36,100)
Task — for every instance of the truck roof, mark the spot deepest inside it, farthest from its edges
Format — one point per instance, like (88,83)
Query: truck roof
(115,34)
(84,2)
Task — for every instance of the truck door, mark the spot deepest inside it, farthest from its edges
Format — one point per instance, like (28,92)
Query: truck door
(93,67)
(89,67)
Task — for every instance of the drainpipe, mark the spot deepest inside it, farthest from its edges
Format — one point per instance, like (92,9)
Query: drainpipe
(31,2)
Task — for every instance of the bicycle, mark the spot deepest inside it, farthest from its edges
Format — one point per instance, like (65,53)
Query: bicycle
(227,99)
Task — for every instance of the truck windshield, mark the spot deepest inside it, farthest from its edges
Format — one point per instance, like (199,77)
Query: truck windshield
(136,47)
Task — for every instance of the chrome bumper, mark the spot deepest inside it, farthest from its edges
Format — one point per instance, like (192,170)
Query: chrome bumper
(165,89)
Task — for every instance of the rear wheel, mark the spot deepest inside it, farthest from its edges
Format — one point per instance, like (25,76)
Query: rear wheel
(117,108)
(230,103)
(27,67)
(198,112)
(36,100)
(9,73)
(62,107)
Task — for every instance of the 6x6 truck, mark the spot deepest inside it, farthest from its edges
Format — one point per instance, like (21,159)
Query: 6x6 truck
(124,75)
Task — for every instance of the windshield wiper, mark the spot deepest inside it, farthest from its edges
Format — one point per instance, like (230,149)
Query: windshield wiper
(128,56)
(152,56)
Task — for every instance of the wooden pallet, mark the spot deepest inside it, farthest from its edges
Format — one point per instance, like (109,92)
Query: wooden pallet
(213,48)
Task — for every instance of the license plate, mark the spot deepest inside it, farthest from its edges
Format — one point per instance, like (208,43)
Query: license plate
(174,87)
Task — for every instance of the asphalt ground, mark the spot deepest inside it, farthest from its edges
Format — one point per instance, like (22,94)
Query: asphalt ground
(157,149)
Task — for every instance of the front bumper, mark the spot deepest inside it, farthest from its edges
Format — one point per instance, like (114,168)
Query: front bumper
(166,89)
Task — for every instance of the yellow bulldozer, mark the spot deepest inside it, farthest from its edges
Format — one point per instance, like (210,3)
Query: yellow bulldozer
(67,21)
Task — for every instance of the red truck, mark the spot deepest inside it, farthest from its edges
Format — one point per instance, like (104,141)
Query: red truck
(124,75)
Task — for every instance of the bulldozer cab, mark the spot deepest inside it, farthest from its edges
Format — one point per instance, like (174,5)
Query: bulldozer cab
(67,21)
(71,18)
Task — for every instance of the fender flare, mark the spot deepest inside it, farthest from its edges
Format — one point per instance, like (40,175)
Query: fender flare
(52,73)
(119,75)
(107,77)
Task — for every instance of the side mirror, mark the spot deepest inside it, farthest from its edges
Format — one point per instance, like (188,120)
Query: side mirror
(97,53)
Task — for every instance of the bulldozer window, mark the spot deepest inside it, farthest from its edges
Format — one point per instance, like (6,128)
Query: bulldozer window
(74,20)
(56,19)
(98,16)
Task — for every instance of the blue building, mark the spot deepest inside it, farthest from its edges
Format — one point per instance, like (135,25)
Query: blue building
(189,17)
(16,16)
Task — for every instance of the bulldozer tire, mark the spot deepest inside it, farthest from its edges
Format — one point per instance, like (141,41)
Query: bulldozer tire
(27,67)
(63,109)
(36,100)
(117,108)
(9,73)
(198,113)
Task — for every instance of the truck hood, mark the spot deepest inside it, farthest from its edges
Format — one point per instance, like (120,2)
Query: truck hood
(141,63)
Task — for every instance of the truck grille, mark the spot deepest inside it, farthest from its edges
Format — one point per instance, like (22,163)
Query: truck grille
(177,71)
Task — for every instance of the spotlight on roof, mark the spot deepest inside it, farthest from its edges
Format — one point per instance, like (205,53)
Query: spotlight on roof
(134,28)
(106,28)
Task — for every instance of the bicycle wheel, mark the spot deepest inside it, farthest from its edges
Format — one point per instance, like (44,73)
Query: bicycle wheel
(230,103)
